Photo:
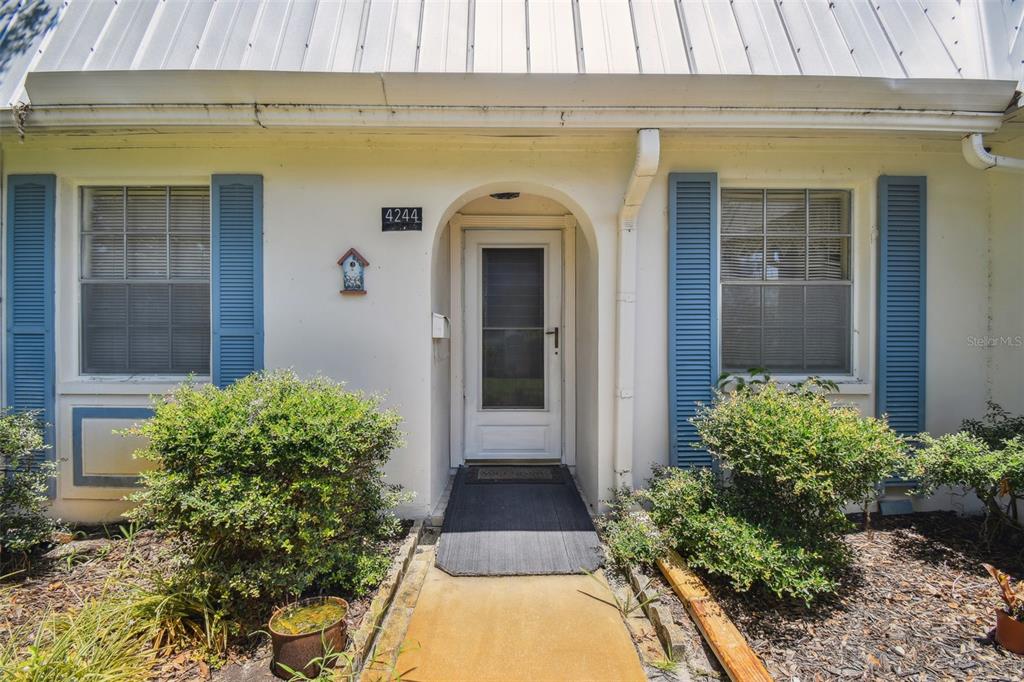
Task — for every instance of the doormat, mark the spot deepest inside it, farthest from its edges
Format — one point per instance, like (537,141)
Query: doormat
(514,474)
(522,528)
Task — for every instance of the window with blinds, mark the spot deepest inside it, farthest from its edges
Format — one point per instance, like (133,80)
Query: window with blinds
(786,280)
(145,280)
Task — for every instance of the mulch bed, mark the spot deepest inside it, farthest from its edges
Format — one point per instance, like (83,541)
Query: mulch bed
(917,605)
(59,583)
(72,573)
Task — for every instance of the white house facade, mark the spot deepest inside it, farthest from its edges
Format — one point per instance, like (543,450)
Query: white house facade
(568,217)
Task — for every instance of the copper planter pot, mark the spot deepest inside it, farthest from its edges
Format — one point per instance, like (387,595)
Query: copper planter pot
(1009,632)
(300,652)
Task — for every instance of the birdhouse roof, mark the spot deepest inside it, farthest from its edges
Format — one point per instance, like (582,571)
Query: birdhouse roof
(358,256)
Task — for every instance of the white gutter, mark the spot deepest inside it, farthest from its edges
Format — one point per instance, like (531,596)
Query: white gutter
(67,117)
(973,147)
(648,153)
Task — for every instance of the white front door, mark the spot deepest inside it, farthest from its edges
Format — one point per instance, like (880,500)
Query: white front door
(513,336)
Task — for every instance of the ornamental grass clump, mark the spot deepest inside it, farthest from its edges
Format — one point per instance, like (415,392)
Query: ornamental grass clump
(117,635)
(774,517)
(274,487)
(103,638)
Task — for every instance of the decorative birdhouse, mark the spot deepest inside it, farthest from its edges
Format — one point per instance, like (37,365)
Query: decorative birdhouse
(353,272)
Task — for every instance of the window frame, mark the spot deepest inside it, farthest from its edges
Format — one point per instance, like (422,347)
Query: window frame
(76,300)
(856,381)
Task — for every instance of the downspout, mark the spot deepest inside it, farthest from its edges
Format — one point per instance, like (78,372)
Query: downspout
(648,153)
(973,147)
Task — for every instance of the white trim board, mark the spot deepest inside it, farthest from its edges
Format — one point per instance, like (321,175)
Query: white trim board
(954,123)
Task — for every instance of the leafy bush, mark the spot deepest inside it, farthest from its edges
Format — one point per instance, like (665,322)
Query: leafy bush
(997,427)
(632,537)
(995,474)
(986,456)
(23,486)
(706,524)
(796,456)
(792,461)
(274,485)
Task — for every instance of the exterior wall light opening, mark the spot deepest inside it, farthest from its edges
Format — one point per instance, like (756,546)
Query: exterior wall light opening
(505,196)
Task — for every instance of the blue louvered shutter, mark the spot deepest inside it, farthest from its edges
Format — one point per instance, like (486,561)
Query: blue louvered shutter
(902,223)
(30,298)
(693,308)
(236,286)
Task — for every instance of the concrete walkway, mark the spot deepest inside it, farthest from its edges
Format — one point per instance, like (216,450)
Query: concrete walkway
(506,629)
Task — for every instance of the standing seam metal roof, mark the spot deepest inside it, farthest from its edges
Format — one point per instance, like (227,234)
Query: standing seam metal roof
(978,39)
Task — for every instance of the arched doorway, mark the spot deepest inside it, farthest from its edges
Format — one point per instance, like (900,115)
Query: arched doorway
(515,272)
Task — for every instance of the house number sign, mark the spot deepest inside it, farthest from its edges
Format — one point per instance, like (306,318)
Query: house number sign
(401,219)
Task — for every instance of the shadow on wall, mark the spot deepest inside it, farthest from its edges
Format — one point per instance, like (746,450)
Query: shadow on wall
(20,25)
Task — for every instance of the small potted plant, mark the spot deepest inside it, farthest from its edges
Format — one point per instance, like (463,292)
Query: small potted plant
(308,636)
(1010,620)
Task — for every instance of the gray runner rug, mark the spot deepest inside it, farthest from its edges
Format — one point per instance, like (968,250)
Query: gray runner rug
(514,521)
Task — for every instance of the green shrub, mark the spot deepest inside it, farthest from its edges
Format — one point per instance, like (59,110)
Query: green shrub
(631,536)
(791,461)
(986,456)
(997,426)
(274,486)
(796,457)
(704,522)
(995,474)
(23,486)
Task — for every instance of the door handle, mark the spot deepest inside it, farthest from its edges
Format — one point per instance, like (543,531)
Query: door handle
(555,332)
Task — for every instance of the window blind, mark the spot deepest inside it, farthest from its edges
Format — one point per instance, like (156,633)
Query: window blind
(145,280)
(786,280)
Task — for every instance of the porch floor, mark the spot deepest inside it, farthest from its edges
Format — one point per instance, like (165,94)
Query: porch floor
(534,628)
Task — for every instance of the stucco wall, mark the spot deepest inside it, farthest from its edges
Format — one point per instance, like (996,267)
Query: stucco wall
(958,208)
(323,194)
(1006,324)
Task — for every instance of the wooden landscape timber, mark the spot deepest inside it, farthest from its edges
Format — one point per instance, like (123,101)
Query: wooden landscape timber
(730,647)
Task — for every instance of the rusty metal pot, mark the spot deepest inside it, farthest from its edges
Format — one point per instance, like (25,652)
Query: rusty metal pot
(300,652)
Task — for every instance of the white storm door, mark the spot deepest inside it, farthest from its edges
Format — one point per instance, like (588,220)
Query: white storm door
(513,344)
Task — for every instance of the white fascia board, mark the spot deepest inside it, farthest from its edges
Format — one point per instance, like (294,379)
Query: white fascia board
(515,90)
(499,118)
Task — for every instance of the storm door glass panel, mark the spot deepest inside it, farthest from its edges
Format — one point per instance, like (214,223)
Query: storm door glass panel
(513,328)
